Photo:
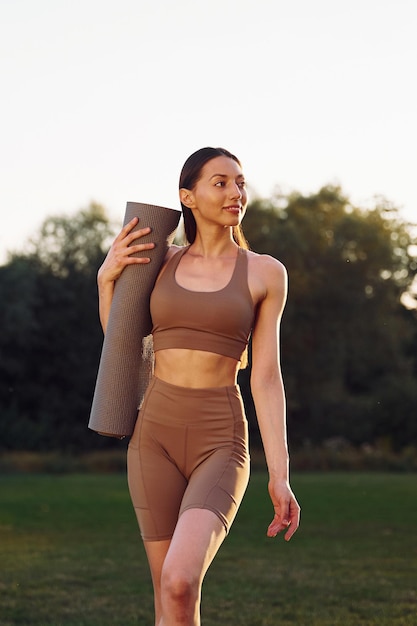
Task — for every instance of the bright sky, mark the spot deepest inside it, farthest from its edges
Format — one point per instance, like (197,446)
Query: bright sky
(104,100)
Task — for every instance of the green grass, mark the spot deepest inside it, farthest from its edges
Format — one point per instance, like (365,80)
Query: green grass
(70,555)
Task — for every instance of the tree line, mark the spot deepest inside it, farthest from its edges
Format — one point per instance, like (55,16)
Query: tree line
(348,342)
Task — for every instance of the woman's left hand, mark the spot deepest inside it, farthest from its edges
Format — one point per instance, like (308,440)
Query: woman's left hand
(286,507)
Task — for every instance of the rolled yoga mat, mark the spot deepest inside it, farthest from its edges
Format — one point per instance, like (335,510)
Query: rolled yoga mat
(125,363)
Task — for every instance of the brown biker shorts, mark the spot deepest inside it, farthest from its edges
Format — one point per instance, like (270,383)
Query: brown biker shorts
(189,450)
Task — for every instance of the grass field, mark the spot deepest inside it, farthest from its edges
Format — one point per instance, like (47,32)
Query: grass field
(70,555)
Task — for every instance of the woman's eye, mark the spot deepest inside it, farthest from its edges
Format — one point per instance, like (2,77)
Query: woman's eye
(242,184)
(220,183)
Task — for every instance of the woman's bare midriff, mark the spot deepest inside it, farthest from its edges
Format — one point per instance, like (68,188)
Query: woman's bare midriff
(195,368)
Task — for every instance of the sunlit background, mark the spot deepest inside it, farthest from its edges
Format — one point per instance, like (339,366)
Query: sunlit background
(104,100)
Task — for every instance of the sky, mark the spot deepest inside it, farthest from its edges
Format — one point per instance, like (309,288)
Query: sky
(103,101)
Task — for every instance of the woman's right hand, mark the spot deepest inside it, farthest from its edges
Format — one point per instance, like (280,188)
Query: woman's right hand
(119,255)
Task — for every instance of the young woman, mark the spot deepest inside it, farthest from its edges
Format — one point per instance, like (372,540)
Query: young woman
(188,462)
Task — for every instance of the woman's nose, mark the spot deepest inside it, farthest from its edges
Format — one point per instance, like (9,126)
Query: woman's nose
(236,191)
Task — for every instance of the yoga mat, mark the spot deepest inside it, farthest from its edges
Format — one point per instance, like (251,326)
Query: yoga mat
(126,361)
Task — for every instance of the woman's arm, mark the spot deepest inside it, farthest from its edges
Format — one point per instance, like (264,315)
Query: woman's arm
(269,396)
(118,257)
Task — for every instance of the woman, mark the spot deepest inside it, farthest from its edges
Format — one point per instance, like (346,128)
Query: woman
(188,462)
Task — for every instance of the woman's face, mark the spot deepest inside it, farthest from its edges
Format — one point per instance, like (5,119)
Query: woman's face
(220,194)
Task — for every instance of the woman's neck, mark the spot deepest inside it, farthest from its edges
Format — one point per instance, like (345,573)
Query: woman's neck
(214,244)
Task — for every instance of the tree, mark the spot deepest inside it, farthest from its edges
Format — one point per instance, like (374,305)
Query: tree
(345,331)
(349,346)
(67,246)
(52,340)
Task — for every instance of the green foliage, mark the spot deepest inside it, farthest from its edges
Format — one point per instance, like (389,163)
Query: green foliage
(346,337)
(67,246)
(51,338)
(348,344)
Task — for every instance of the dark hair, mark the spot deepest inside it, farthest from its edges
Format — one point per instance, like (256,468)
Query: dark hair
(190,175)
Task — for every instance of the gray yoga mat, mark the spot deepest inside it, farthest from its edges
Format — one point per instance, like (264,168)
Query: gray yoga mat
(125,363)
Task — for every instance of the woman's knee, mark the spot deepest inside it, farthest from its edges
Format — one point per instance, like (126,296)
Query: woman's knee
(179,585)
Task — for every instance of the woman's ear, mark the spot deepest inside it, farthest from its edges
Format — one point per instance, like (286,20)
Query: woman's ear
(187,198)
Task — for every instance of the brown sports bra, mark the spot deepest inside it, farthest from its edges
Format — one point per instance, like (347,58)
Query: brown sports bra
(212,321)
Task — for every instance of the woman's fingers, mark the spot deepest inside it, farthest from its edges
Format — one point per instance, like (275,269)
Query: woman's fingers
(128,236)
(275,527)
(131,260)
(122,245)
(137,234)
(291,530)
(127,228)
(287,516)
(139,247)
(122,250)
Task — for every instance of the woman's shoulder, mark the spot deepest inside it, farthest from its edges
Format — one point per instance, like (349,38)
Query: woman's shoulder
(172,250)
(267,277)
(266,265)
(170,253)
